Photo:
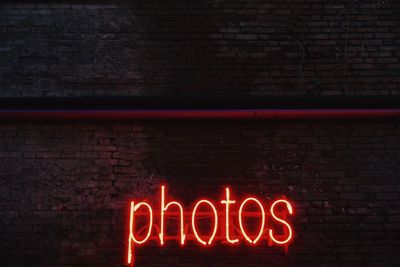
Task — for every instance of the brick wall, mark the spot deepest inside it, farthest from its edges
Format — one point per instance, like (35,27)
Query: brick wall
(278,47)
(65,186)
(65,189)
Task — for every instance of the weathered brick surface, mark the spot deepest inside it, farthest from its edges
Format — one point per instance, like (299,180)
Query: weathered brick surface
(278,47)
(65,188)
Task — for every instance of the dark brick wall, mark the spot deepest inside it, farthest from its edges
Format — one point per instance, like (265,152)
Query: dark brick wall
(277,47)
(65,188)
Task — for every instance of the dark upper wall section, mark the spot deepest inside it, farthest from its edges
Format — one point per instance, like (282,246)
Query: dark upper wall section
(277,47)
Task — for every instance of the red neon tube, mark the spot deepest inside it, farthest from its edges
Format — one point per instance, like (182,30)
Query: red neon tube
(222,230)
(173,114)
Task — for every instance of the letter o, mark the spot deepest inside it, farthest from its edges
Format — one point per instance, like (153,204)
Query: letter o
(262,220)
(215,222)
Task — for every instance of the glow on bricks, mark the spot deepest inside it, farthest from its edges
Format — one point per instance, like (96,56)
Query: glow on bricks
(228,218)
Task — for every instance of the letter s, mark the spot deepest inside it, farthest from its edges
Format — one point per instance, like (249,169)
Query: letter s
(285,223)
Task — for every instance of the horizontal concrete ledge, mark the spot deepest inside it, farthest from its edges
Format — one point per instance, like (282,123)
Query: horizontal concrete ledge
(126,114)
(200,107)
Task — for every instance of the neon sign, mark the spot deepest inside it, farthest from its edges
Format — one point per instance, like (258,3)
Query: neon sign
(272,224)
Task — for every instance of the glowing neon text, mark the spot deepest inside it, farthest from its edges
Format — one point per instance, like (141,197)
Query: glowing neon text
(273,225)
